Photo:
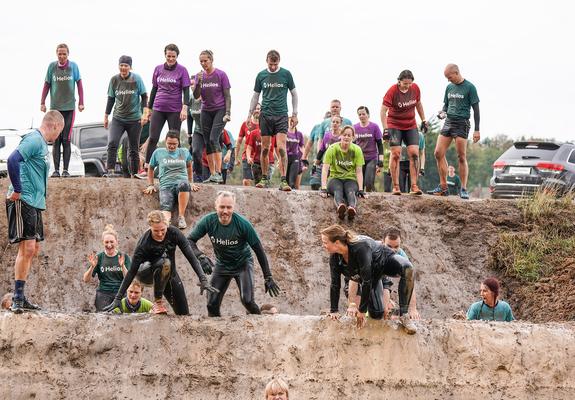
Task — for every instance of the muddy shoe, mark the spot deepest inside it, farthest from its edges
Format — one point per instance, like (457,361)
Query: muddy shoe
(218,178)
(439,191)
(415,190)
(159,307)
(284,186)
(26,305)
(464,194)
(65,174)
(17,306)
(396,191)
(408,324)
(182,222)
(263,183)
(56,174)
(341,210)
(351,213)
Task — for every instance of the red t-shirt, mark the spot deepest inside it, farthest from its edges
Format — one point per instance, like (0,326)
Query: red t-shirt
(401,107)
(245,131)
(255,141)
(224,140)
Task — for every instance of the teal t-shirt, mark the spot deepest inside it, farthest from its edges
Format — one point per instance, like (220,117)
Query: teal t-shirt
(62,83)
(481,311)
(109,272)
(172,166)
(459,99)
(454,184)
(144,307)
(231,242)
(342,164)
(33,170)
(127,93)
(274,87)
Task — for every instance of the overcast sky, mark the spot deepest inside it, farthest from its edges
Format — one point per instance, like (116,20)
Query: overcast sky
(519,54)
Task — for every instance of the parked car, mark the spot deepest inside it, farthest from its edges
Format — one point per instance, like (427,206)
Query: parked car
(92,140)
(526,166)
(9,141)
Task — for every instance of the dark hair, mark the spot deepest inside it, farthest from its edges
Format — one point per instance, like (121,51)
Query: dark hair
(363,108)
(172,47)
(208,53)
(405,74)
(273,55)
(63,46)
(493,285)
(173,134)
(392,232)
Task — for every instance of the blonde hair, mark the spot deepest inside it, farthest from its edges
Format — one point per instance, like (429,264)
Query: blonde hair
(277,385)
(338,232)
(155,217)
(342,130)
(109,230)
(208,53)
(137,283)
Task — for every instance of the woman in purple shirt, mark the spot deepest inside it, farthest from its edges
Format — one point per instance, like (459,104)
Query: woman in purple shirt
(368,137)
(169,82)
(295,144)
(213,87)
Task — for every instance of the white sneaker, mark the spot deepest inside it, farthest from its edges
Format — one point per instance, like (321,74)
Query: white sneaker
(182,222)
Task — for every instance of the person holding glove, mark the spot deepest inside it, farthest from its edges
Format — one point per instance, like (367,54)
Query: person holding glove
(231,235)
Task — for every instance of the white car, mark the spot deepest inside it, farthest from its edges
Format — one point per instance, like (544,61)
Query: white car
(9,141)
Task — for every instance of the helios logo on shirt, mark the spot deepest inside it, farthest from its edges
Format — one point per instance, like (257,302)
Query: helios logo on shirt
(210,85)
(172,161)
(61,78)
(166,79)
(112,268)
(362,135)
(273,85)
(345,163)
(224,242)
(124,92)
(406,103)
(455,96)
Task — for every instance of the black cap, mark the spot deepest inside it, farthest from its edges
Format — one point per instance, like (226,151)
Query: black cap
(125,60)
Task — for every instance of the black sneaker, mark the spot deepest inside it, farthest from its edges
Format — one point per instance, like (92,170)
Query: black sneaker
(65,174)
(26,305)
(17,306)
(56,174)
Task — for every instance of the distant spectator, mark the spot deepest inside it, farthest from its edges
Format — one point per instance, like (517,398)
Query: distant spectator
(453,181)
(6,301)
(277,389)
(133,302)
(490,308)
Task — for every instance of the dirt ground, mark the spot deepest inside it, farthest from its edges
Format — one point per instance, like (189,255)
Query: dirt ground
(63,352)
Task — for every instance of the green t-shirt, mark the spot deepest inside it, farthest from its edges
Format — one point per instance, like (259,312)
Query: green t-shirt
(33,170)
(459,99)
(453,184)
(172,166)
(481,311)
(127,93)
(342,164)
(109,272)
(274,87)
(231,242)
(145,307)
(62,83)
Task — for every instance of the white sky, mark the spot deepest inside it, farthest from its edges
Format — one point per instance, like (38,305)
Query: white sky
(519,54)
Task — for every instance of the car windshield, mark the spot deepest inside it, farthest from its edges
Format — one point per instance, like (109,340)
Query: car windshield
(530,152)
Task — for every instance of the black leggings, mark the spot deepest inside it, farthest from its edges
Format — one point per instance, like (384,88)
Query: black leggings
(293,169)
(212,126)
(117,129)
(369,175)
(157,122)
(343,191)
(398,266)
(198,145)
(245,281)
(63,140)
(166,281)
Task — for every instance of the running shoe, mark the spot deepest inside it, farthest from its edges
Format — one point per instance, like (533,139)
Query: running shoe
(463,194)
(396,191)
(341,210)
(351,213)
(210,179)
(284,186)
(141,175)
(65,174)
(55,174)
(439,191)
(218,178)
(26,305)
(17,306)
(159,307)
(407,324)
(415,190)
(263,183)
(182,222)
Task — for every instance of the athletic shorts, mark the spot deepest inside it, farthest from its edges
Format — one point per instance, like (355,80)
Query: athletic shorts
(169,197)
(24,222)
(247,170)
(270,126)
(456,128)
(409,136)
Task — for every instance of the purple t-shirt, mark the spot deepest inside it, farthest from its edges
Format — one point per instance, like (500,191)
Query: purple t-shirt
(366,137)
(212,92)
(328,139)
(170,84)
(294,143)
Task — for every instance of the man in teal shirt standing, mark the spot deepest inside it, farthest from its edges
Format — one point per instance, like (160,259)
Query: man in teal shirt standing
(28,168)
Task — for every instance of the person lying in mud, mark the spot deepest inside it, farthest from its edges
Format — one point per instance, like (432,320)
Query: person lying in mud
(134,303)
(490,308)
(154,263)
(110,265)
(232,236)
(365,261)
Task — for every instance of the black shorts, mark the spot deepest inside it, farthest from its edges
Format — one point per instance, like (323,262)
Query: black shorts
(408,136)
(270,126)
(247,170)
(24,222)
(456,128)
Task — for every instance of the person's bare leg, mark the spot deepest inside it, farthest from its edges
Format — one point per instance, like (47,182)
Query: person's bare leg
(461,147)
(27,249)
(394,165)
(413,155)
(441,147)
(218,161)
(281,142)
(264,158)
(211,163)
(183,198)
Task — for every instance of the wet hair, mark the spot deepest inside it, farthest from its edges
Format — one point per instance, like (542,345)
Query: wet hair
(273,55)
(225,193)
(493,285)
(338,232)
(337,116)
(208,53)
(53,117)
(156,217)
(392,233)
(405,74)
(173,134)
(172,47)
(7,301)
(109,230)
(363,108)
(342,130)
(63,46)
(276,385)
(137,283)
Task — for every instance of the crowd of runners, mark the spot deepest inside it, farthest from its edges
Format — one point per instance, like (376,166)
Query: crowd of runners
(348,159)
